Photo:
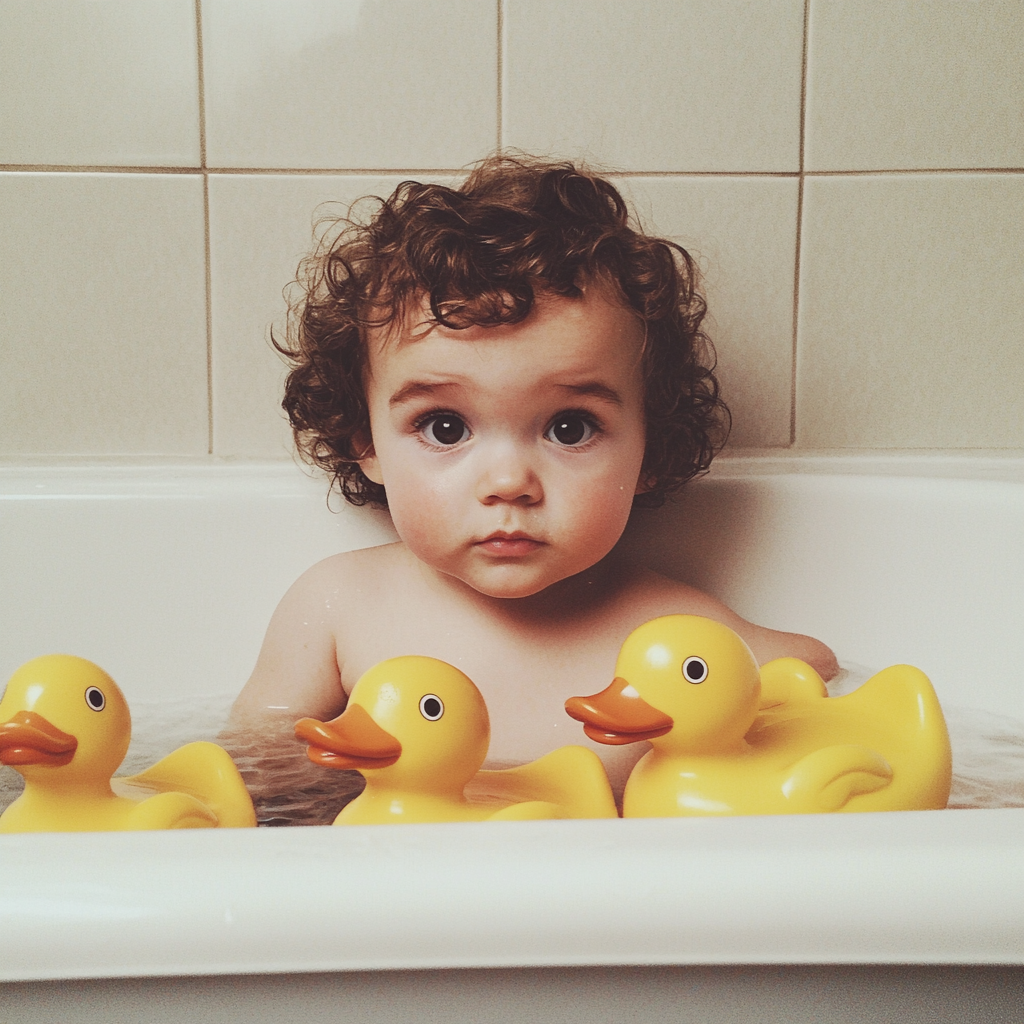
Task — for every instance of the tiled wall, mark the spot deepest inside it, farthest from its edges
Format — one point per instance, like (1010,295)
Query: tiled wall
(850,172)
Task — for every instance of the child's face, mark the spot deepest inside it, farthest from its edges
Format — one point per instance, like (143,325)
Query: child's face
(510,455)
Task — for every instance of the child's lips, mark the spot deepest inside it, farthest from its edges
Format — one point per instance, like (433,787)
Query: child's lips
(510,545)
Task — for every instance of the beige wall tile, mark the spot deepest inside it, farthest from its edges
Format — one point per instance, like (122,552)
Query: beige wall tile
(260,227)
(666,85)
(111,83)
(743,233)
(907,84)
(352,83)
(103,318)
(911,328)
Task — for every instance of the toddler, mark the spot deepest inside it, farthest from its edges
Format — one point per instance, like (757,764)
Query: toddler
(509,368)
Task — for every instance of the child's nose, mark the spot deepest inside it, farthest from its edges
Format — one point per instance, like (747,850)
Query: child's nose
(509,476)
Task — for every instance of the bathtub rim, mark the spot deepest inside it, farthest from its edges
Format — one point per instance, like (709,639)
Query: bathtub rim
(935,896)
(69,475)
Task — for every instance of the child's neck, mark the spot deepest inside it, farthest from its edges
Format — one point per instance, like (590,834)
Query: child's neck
(568,599)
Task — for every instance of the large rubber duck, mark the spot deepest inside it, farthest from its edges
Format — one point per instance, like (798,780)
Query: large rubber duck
(65,727)
(418,730)
(728,738)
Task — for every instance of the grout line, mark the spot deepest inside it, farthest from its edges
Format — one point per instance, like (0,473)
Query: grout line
(914,170)
(396,171)
(799,228)
(703,174)
(338,171)
(501,71)
(202,84)
(96,169)
(206,228)
(803,86)
(209,316)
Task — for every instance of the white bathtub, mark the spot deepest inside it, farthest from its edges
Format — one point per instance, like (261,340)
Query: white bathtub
(166,575)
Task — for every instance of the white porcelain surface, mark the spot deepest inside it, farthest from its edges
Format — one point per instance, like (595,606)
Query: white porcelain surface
(104,314)
(349,84)
(668,85)
(904,84)
(849,555)
(919,887)
(108,83)
(260,228)
(742,232)
(912,312)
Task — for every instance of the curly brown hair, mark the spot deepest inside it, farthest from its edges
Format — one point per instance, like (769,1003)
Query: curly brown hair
(478,254)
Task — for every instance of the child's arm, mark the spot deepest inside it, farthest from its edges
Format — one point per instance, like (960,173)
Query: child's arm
(767,644)
(297,668)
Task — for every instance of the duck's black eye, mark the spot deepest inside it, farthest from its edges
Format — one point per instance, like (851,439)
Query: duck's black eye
(431,707)
(95,699)
(695,670)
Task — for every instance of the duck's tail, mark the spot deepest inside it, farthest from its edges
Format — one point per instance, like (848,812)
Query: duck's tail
(902,700)
(206,772)
(571,778)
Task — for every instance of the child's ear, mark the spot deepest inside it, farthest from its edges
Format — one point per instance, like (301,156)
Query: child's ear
(645,484)
(370,465)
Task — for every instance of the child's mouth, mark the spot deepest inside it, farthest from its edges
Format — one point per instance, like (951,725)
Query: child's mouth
(510,545)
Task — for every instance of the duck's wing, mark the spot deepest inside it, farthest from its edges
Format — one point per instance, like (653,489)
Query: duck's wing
(169,810)
(789,680)
(829,778)
(572,778)
(206,773)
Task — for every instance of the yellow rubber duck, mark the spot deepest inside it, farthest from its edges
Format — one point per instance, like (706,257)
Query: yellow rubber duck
(728,738)
(65,727)
(418,730)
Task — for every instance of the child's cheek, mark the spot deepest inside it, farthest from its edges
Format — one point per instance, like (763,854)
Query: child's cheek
(425,513)
(600,514)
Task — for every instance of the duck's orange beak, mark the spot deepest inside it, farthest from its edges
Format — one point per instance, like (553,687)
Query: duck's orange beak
(352,740)
(29,738)
(618,715)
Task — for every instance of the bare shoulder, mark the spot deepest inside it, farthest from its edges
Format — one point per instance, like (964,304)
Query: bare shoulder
(301,660)
(659,595)
(348,568)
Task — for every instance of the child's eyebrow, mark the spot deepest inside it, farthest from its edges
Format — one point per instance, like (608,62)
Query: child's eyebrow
(421,388)
(594,389)
(416,389)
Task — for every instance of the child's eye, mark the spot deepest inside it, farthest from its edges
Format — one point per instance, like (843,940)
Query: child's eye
(444,429)
(570,429)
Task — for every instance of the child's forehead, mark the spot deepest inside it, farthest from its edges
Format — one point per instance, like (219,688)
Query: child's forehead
(598,312)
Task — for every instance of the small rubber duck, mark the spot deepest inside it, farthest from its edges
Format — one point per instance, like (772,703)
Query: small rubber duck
(65,727)
(729,738)
(418,731)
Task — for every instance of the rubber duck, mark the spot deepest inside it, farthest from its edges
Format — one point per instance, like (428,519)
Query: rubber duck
(65,727)
(418,731)
(728,738)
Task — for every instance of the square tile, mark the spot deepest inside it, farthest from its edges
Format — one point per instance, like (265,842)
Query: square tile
(260,227)
(666,85)
(349,84)
(901,84)
(85,83)
(912,312)
(103,318)
(742,232)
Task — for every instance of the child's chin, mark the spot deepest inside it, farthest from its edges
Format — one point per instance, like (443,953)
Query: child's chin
(508,587)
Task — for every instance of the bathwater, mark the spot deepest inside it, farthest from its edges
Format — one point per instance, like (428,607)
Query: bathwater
(288,789)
